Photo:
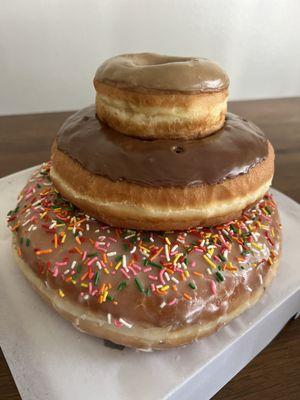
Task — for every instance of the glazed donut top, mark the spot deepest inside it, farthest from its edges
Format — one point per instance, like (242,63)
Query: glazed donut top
(147,278)
(149,71)
(231,151)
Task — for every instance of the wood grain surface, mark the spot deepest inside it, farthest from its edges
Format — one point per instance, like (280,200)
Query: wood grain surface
(25,141)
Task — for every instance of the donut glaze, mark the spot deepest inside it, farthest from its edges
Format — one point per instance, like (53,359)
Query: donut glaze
(132,278)
(150,71)
(233,150)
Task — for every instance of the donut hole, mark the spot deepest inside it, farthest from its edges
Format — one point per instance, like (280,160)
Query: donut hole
(178,149)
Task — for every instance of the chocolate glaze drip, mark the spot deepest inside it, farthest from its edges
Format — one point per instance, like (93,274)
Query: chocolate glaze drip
(159,72)
(231,151)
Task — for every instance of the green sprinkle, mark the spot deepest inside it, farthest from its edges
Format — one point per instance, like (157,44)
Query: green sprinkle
(38,186)
(118,258)
(233,228)
(192,285)
(219,267)
(220,277)
(109,297)
(242,267)
(27,242)
(10,213)
(153,264)
(222,257)
(97,277)
(148,292)
(139,285)
(79,268)
(21,240)
(91,254)
(125,247)
(268,210)
(227,237)
(122,285)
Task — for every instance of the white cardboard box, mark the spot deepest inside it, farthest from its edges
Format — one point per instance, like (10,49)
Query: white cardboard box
(49,359)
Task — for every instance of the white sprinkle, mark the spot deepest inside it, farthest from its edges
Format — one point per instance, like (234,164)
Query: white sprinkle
(26,222)
(151,239)
(54,223)
(129,236)
(109,318)
(111,254)
(211,246)
(174,279)
(159,286)
(73,265)
(133,250)
(260,279)
(163,304)
(124,264)
(80,233)
(97,231)
(174,248)
(98,265)
(87,227)
(127,324)
(225,254)
(30,228)
(34,228)
(248,288)
(167,252)
(184,266)
(202,243)
(209,271)
(166,275)
(36,203)
(86,297)
(66,271)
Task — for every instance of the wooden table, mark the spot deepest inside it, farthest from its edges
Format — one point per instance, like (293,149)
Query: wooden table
(25,140)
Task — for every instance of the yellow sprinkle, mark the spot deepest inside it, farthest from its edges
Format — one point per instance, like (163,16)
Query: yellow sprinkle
(61,293)
(105,295)
(83,284)
(186,273)
(118,265)
(168,241)
(176,258)
(59,225)
(144,248)
(63,238)
(106,270)
(212,264)
(164,288)
(42,215)
(78,240)
(258,246)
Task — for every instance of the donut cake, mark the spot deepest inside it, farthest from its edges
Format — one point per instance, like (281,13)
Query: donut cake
(152,225)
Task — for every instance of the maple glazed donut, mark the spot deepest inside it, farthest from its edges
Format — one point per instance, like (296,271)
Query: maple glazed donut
(150,95)
(161,184)
(136,288)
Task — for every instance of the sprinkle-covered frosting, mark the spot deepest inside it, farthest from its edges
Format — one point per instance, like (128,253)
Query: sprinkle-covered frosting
(156,278)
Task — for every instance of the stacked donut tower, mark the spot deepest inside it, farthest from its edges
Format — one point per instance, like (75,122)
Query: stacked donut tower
(152,225)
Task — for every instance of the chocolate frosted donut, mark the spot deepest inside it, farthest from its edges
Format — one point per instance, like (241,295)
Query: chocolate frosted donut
(151,95)
(161,184)
(143,289)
